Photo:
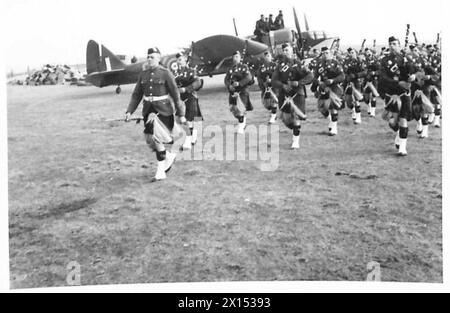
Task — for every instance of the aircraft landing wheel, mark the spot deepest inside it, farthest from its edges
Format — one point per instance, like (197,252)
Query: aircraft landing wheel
(118,90)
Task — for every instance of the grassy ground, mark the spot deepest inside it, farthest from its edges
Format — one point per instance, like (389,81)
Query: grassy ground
(80,190)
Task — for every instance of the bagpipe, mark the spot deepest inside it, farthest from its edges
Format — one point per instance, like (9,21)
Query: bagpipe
(269,98)
(407,35)
(420,102)
(362,46)
(238,102)
(369,86)
(289,100)
(354,91)
(332,96)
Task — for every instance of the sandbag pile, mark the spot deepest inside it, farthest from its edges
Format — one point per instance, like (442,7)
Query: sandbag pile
(54,75)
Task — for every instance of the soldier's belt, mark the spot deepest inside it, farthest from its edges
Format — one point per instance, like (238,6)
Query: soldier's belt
(156,98)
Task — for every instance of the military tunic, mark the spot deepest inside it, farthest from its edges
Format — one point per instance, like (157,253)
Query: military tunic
(355,71)
(287,71)
(157,82)
(426,77)
(372,65)
(188,79)
(268,94)
(329,69)
(238,73)
(329,74)
(393,69)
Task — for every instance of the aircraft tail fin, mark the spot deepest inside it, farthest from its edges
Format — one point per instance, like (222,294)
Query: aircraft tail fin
(100,59)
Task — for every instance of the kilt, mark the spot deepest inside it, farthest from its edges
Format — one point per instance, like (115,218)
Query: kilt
(161,128)
(421,105)
(239,103)
(269,99)
(330,99)
(400,104)
(287,113)
(192,109)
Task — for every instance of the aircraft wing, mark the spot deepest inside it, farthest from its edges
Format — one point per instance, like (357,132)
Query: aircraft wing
(213,55)
(105,78)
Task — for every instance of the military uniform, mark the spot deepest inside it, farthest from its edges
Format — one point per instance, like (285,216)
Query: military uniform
(155,85)
(395,68)
(329,75)
(286,72)
(422,92)
(260,29)
(355,72)
(239,73)
(312,67)
(188,79)
(433,68)
(395,72)
(370,91)
(264,76)
(279,21)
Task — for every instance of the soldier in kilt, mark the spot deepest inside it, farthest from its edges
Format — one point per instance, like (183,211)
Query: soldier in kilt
(329,74)
(396,75)
(188,84)
(290,78)
(155,84)
(237,80)
(269,98)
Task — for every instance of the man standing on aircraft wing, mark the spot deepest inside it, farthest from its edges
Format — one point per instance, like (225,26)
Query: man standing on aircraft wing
(328,75)
(290,78)
(154,85)
(188,84)
(237,80)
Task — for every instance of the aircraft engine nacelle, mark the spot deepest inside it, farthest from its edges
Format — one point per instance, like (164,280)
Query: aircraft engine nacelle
(278,37)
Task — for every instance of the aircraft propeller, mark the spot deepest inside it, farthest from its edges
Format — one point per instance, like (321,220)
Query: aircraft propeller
(235,28)
(300,38)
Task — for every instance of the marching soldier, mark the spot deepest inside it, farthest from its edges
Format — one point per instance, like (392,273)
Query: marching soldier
(395,83)
(354,71)
(237,79)
(290,78)
(371,81)
(328,75)
(264,76)
(188,84)
(422,90)
(434,62)
(155,84)
(312,66)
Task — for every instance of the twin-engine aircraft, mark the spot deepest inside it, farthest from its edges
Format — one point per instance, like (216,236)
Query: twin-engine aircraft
(210,56)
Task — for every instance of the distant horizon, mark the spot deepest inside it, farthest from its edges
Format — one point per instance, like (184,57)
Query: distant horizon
(23,71)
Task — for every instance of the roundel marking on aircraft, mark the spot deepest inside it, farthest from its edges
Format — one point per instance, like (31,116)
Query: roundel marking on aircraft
(172,64)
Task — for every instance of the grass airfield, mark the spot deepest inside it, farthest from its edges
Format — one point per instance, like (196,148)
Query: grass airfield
(80,190)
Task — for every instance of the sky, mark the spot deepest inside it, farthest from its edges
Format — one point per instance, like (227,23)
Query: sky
(37,32)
